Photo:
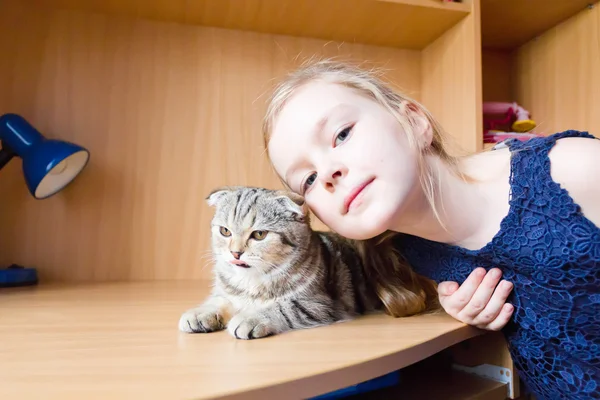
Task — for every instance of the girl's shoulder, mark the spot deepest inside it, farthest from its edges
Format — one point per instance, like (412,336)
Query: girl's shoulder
(568,160)
(575,167)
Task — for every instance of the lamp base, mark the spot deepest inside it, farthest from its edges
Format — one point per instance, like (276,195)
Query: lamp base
(16,275)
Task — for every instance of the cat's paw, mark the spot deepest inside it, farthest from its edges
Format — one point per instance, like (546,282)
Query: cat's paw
(198,320)
(250,327)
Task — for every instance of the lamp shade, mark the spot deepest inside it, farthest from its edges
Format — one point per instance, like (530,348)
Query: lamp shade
(48,165)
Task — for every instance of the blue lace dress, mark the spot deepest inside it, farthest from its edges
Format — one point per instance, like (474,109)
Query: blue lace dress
(551,252)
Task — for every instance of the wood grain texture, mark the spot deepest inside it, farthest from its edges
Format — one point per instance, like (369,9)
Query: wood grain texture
(556,75)
(120,341)
(399,23)
(509,24)
(497,75)
(167,111)
(451,83)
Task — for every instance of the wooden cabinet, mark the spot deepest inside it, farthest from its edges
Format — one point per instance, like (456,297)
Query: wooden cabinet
(543,55)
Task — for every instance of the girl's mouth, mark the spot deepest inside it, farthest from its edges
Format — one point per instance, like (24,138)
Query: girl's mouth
(354,194)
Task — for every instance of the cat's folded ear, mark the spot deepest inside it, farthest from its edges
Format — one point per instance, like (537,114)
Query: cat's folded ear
(217,194)
(293,202)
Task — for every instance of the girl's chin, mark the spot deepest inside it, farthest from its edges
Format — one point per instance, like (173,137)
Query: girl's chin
(364,231)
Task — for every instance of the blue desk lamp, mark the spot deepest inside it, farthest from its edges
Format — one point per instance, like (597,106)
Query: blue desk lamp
(48,165)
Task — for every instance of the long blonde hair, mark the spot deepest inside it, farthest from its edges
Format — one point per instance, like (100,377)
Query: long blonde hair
(402,291)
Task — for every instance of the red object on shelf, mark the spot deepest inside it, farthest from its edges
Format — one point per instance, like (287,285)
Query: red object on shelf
(497,136)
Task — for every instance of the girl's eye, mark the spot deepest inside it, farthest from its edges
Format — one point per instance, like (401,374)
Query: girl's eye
(309,181)
(259,235)
(224,231)
(342,136)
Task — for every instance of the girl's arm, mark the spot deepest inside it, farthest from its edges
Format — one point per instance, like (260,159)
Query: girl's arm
(480,301)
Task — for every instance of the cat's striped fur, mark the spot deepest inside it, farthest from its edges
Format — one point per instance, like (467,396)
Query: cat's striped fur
(292,277)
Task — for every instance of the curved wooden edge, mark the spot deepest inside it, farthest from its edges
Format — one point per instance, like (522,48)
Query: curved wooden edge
(329,381)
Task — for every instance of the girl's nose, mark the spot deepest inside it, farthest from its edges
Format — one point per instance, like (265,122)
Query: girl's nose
(331,177)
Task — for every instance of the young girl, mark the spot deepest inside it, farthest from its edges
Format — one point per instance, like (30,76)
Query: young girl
(372,165)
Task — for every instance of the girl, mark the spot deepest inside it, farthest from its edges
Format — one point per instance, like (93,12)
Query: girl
(372,165)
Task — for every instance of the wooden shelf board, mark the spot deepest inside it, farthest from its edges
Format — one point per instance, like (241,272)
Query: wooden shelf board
(411,24)
(511,23)
(120,340)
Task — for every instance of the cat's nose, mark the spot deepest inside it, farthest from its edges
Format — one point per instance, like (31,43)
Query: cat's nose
(237,254)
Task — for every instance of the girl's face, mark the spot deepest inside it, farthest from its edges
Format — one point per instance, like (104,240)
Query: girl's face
(348,156)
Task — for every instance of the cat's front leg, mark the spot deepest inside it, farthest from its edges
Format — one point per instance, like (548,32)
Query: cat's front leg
(211,316)
(285,315)
(253,325)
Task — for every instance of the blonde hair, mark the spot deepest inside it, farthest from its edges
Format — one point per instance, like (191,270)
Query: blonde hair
(402,291)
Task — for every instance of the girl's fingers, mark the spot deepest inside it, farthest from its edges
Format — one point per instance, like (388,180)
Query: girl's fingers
(494,305)
(481,298)
(502,318)
(446,289)
(454,303)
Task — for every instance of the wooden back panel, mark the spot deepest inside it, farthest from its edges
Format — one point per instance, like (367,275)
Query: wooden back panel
(556,75)
(168,112)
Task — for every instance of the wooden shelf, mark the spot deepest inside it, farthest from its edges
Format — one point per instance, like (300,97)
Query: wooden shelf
(416,384)
(511,23)
(121,340)
(411,24)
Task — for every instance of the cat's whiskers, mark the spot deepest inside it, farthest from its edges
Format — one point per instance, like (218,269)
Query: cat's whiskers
(207,256)
(209,260)
(205,253)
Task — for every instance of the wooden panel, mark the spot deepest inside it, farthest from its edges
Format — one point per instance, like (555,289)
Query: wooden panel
(21,60)
(120,341)
(557,75)
(491,349)
(497,68)
(168,112)
(451,83)
(399,23)
(427,383)
(511,23)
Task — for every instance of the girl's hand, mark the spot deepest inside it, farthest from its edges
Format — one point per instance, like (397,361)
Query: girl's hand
(479,301)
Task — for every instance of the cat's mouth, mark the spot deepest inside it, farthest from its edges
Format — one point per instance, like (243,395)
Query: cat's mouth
(239,263)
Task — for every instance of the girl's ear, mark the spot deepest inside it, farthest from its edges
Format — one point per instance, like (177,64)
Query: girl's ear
(422,128)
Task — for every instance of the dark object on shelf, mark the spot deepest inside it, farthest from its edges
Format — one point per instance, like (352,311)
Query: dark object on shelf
(381,382)
(16,275)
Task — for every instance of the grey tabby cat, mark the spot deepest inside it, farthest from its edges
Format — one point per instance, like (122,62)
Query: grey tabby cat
(273,273)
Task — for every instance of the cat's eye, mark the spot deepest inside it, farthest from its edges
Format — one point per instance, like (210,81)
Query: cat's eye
(342,136)
(259,235)
(224,231)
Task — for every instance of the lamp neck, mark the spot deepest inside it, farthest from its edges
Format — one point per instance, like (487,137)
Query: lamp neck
(6,154)
(18,134)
